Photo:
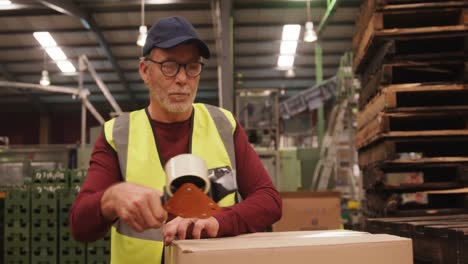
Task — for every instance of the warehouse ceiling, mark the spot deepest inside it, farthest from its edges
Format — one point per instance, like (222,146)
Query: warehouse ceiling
(110,45)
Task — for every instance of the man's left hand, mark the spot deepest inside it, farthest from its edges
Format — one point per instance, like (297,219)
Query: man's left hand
(181,228)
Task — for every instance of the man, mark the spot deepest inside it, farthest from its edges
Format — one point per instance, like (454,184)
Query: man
(126,177)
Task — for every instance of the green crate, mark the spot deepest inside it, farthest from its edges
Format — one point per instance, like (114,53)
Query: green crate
(16,228)
(73,256)
(44,216)
(77,177)
(16,255)
(51,177)
(2,224)
(97,255)
(44,255)
(98,252)
(70,251)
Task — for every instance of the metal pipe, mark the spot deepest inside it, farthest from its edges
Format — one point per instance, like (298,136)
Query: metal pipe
(83,108)
(101,85)
(93,111)
(83,125)
(50,88)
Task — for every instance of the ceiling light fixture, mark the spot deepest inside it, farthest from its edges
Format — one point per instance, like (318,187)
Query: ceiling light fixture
(290,73)
(66,66)
(291,32)
(5,3)
(290,37)
(45,81)
(45,39)
(309,35)
(285,61)
(143,29)
(55,52)
(288,47)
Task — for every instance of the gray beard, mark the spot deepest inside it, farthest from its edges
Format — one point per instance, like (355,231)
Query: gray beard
(172,107)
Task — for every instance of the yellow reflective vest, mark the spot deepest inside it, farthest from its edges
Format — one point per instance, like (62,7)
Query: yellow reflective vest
(131,136)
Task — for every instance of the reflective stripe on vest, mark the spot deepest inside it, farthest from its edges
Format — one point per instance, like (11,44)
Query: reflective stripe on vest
(132,137)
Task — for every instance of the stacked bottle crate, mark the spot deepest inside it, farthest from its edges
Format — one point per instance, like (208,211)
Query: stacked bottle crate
(17,226)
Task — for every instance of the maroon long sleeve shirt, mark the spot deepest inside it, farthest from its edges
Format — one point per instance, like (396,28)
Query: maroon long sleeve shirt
(261,206)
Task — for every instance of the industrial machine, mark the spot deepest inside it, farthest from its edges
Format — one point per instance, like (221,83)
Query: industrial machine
(258,113)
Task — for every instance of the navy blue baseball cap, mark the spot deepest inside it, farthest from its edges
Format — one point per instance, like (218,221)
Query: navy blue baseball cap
(171,31)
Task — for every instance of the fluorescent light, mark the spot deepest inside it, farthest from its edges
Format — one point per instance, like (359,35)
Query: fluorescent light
(66,66)
(56,54)
(45,39)
(291,32)
(285,61)
(5,3)
(288,47)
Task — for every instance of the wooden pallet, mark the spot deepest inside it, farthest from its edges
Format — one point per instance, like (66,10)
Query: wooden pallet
(436,239)
(406,22)
(417,136)
(415,97)
(431,149)
(413,124)
(412,72)
(420,49)
(434,247)
(389,225)
(461,236)
(369,7)
(413,2)
(423,177)
(384,204)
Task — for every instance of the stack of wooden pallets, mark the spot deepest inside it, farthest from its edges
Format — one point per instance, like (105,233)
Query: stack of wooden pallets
(412,59)
(436,239)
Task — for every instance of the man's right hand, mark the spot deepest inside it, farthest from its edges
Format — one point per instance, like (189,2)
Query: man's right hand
(138,206)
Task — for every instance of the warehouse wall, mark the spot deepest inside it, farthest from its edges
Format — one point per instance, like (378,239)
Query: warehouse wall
(24,128)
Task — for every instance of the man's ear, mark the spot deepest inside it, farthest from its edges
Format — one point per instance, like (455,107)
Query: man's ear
(143,69)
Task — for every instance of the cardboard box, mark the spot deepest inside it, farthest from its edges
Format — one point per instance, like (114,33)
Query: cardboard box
(330,247)
(309,211)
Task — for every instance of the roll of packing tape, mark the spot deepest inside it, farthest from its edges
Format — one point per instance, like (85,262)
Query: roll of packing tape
(186,168)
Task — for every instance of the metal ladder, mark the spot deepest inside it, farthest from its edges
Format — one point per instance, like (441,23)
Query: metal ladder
(327,164)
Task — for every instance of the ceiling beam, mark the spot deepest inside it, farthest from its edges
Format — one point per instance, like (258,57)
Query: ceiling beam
(69,8)
(141,92)
(133,58)
(34,99)
(282,4)
(131,44)
(6,73)
(239,25)
(208,68)
(204,80)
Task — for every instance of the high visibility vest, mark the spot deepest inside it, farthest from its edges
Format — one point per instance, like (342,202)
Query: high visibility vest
(131,136)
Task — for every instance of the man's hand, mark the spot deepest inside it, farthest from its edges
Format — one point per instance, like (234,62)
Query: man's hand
(181,228)
(138,206)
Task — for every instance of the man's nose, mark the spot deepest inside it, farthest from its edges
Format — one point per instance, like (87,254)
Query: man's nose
(182,74)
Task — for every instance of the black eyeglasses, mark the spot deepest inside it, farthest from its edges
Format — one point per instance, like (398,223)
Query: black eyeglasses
(172,68)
